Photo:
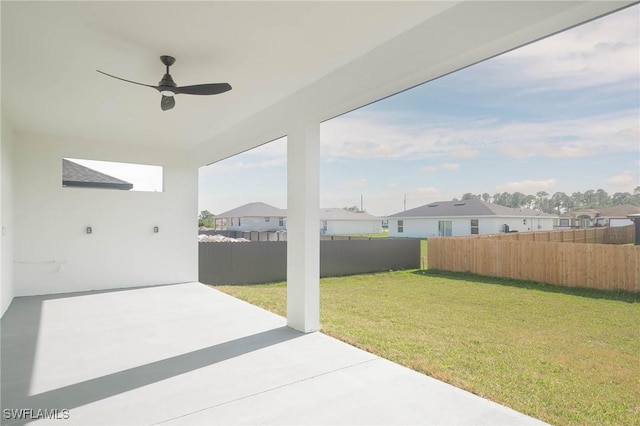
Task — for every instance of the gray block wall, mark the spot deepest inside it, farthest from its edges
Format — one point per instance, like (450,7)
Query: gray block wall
(266,261)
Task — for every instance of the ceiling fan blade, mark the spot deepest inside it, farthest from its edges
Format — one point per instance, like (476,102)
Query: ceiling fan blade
(204,89)
(167,103)
(128,81)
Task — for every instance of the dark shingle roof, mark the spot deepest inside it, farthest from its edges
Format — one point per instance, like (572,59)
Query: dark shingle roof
(74,174)
(254,210)
(467,208)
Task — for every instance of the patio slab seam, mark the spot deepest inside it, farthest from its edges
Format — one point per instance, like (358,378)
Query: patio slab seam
(284,385)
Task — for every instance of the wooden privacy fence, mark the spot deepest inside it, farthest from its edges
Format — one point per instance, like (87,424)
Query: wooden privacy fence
(608,235)
(598,266)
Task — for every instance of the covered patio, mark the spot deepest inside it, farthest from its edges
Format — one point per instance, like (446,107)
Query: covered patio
(101,310)
(188,354)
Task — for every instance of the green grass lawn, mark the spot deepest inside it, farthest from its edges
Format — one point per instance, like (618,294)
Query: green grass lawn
(565,356)
(423,254)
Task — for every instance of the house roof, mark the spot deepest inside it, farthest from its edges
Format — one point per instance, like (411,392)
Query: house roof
(467,208)
(342,214)
(257,209)
(74,174)
(615,212)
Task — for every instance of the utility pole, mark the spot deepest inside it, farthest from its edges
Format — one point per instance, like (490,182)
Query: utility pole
(361,203)
(405,202)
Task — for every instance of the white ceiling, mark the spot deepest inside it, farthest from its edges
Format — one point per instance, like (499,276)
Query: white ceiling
(285,61)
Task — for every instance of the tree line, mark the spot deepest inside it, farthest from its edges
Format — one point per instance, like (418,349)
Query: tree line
(559,202)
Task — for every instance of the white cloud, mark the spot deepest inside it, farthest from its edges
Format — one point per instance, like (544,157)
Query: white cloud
(450,166)
(272,154)
(624,179)
(566,151)
(528,186)
(428,169)
(371,135)
(428,190)
(442,166)
(464,152)
(392,186)
(598,53)
(365,134)
(359,183)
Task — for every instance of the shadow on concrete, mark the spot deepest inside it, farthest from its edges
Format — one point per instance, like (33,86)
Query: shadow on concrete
(113,384)
(20,328)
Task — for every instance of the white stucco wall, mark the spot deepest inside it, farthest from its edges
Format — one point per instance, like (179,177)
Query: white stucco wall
(256,224)
(344,227)
(620,222)
(494,225)
(6,217)
(52,250)
(428,227)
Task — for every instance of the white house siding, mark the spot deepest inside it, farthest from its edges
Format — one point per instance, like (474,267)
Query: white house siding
(620,222)
(495,225)
(248,224)
(413,228)
(428,227)
(344,227)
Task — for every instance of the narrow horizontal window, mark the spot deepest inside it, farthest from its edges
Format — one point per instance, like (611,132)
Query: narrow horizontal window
(80,173)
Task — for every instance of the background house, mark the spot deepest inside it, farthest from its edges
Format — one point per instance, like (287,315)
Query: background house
(262,217)
(257,216)
(459,218)
(336,221)
(597,217)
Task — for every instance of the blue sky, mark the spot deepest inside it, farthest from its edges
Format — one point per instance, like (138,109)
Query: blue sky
(561,114)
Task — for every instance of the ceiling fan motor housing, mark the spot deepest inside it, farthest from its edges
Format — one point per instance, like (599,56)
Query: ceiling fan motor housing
(166,81)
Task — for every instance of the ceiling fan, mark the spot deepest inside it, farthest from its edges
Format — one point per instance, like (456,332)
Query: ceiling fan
(168,88)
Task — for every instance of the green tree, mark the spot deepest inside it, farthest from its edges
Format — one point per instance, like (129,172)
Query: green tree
(470,196)
(620,198)
(206,219)
(602,197)
(560,203)
(542,202)
(577,199)
(518,199)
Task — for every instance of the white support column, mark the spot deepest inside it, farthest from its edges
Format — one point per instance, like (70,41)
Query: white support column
(303,232)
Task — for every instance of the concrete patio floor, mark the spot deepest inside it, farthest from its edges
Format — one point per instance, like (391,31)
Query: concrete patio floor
(187,354)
